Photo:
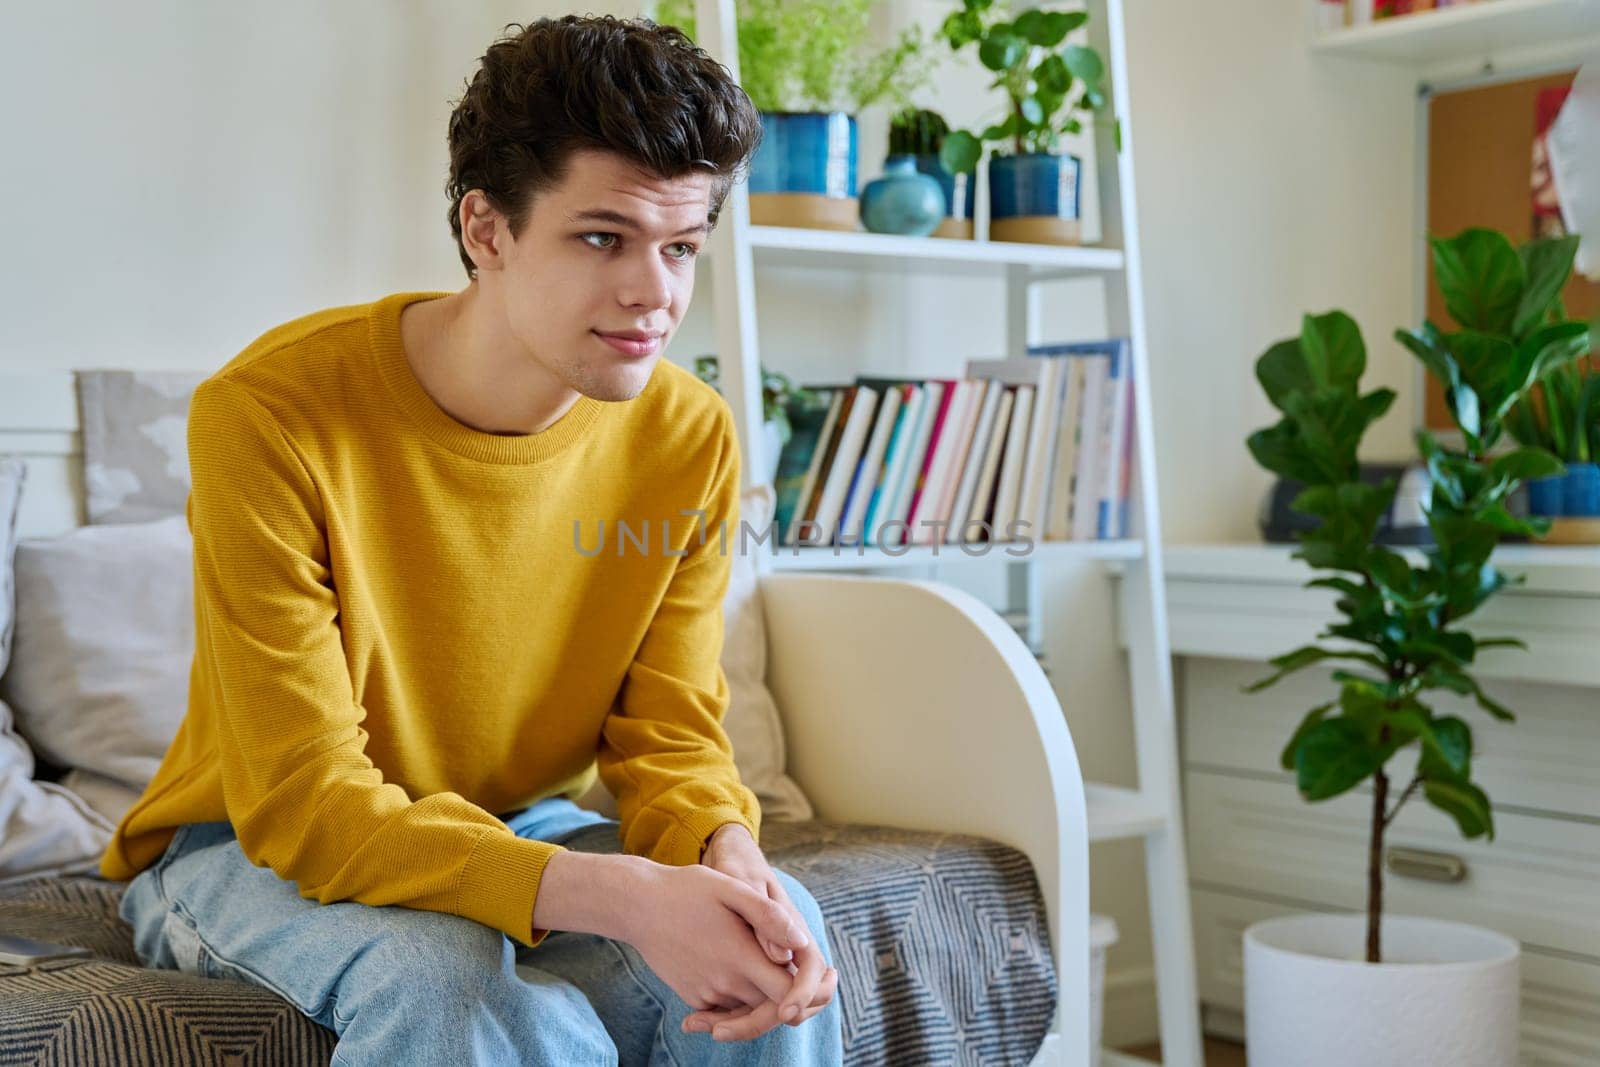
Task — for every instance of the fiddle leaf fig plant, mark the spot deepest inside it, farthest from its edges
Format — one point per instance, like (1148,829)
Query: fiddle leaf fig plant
(1051,86)
(1400,636)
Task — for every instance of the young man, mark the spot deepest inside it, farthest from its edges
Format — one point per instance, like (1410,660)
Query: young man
(406,667)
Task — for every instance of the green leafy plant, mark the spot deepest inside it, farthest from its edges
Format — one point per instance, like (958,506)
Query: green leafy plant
(1562,414)
(777,393)
(816,55)
(1399,637)
(1048,83)
(917,132)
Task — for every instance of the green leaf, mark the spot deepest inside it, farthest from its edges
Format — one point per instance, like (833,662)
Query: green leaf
(960,28)
(1428,345)
(1452,743)
(1001,51)
(1547,264)
(1053,76)
(1312,717)
(1482,279)
(1526,464)
(1032,110)
(1334,352)
(960,152)
(1278,449)
(1464,802)
(1084,63)
(1332,758)
(1304,657)
(1060,23)
(1282,370)
(1002,130)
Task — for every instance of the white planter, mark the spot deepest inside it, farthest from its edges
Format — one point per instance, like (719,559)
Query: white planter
(1446,993)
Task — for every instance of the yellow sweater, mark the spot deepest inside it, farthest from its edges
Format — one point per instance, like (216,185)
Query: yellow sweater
(404,629)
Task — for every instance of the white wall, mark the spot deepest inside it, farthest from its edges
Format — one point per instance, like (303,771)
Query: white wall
(181,177)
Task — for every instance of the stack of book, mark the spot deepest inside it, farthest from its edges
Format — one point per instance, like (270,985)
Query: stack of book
(1031,449)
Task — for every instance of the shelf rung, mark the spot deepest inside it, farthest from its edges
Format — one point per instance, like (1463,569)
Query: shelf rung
(1116,812)
(868,557)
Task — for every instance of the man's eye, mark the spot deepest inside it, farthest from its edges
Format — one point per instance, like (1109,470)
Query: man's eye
(610,236)
(689,251)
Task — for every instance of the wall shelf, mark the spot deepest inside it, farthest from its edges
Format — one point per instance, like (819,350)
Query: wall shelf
(1468,33)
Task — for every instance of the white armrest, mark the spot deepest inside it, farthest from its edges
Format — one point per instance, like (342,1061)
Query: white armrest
(912,704)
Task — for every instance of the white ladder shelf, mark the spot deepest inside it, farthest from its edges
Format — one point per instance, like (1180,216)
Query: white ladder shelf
(1152,812)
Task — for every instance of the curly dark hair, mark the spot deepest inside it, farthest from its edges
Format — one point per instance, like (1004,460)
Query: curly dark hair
(627,86)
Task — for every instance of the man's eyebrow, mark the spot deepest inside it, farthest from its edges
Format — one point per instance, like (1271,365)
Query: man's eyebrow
(617,218)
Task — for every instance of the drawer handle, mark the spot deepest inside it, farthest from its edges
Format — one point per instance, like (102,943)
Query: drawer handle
(1429,866)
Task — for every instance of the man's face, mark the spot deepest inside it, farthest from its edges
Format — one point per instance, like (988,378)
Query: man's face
(611,250)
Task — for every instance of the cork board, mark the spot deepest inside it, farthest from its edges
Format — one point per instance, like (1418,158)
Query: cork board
(1480,152)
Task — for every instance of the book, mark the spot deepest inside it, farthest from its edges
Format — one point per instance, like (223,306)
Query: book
(1058,522)
(1085,511)
(1112,435)
(983,495)
(895,464)
(842,467)
(977,457)
(1005,505)
(813,470)
(941,413)
(870,468)
(900,503)
(1041,448)
(794,462)
(1023,370)
(944,464)
(1129,455)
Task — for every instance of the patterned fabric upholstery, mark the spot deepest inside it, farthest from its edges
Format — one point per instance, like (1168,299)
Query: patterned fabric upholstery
(940,941)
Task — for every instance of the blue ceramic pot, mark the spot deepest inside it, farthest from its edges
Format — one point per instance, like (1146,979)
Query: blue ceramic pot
(805,152)
(1581,491)
(958,188)
(1545,496)
(1034,184)
(903,201)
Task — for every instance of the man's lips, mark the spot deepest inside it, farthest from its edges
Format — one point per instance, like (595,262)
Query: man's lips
(630,344)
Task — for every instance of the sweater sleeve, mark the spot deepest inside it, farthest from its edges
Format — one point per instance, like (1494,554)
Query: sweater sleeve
(663,752)
(303,796)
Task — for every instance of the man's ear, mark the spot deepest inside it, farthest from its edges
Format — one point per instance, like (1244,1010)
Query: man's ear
(482,231)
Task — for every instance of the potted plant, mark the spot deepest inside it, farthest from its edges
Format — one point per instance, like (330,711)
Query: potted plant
(778,393)
(918,135)
(1377,990)
(808,67)
(1562,416)
(1034,190)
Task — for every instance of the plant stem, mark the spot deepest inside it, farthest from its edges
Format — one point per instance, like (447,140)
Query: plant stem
(1380,801)
(1405,796)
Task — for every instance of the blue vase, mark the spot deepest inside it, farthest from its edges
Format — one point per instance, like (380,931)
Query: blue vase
(958,188)
(1033,185)
(1581,491)
(1546,496)
(805,152)
(903,201)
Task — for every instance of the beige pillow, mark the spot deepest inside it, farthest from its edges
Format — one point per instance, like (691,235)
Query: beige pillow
(752,722)
(104,645)
(44,828)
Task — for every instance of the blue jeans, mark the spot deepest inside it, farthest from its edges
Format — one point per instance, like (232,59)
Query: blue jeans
(403,986)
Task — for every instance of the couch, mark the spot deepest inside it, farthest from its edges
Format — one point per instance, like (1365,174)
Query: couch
(925,790)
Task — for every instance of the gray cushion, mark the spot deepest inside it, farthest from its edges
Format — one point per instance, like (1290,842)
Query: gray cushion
(940,941)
